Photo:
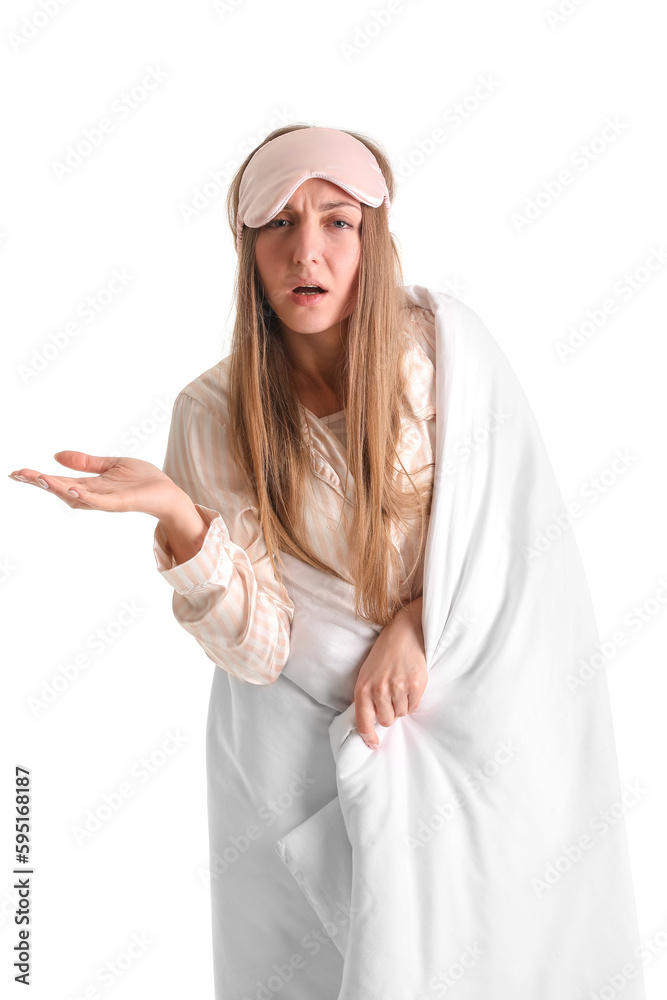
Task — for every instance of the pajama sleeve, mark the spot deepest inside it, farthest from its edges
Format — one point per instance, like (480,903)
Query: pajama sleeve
(227,595)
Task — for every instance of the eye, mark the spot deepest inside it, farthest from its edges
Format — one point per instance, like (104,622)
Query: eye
(272,224)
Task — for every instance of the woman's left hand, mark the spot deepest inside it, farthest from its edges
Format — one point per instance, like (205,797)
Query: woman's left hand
(393,677)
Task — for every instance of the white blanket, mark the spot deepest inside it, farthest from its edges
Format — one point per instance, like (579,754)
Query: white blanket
(480,852)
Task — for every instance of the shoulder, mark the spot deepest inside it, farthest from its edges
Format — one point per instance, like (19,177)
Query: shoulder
(473,361)
(419,358)
(208,392)
(420,327)
(441,317)
(443,329)
(201,434)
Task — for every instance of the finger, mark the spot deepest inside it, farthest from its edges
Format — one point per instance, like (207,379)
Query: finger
(364,718)
(76,492)
(384,706)
(46,482)
(63,490)
(83,462)
(84,491)
(400,703)
(31,476)
(27,474)
(414,699)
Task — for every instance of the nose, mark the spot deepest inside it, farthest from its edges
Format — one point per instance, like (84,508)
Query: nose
(307,238)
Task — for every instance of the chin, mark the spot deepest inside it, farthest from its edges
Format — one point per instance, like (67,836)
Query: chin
(309,319)
(307,324)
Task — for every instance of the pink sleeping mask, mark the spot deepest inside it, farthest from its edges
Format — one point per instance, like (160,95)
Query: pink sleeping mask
(281,165)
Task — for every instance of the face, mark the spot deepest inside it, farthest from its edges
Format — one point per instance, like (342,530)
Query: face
(314,240)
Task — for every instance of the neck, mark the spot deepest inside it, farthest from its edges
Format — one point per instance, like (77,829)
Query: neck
(316,358)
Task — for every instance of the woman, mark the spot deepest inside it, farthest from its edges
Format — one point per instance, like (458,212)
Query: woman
(408,766)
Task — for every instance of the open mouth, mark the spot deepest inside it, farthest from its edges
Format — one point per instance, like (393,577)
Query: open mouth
(308,290)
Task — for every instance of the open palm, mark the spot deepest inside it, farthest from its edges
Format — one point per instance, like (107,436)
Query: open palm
(120,484)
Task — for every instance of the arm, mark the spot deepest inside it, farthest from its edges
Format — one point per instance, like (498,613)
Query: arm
(410,618)
(183,530)
(226,594)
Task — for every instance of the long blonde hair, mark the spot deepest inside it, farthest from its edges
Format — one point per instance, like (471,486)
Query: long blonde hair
(265,410)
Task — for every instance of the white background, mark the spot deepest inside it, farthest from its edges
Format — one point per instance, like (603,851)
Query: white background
(144,201)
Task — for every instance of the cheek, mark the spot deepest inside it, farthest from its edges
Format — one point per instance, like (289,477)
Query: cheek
(347,267)
(264,262)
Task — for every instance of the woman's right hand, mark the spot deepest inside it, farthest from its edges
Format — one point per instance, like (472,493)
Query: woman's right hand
(121,484)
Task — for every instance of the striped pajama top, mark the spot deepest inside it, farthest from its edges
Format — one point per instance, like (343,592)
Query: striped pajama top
(227,595)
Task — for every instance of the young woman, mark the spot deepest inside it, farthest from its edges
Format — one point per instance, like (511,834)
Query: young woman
(408,766)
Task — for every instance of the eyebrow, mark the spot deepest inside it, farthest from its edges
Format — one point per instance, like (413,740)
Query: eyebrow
(328,205)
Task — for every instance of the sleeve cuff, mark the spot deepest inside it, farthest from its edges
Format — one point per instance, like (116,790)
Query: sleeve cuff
(211,565)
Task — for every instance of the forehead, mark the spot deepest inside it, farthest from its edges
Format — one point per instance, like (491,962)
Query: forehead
(321,194)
